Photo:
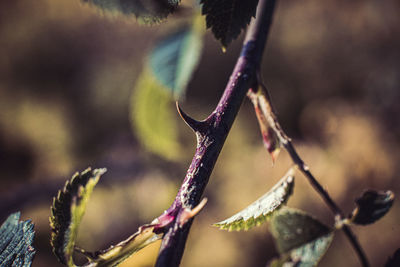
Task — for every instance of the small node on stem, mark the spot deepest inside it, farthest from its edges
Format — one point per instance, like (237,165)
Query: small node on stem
(162,221)
(340,222)
(187,213)
(305,167)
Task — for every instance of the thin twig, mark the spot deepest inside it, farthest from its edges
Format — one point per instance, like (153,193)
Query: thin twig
(211,134)
(287,144)
(328,200)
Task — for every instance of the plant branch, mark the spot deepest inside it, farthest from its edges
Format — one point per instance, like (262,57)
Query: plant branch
(211,134)
(286,142)
(328,200)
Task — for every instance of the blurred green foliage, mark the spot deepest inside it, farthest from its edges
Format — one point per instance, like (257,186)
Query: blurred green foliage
(175,57)
(152,115)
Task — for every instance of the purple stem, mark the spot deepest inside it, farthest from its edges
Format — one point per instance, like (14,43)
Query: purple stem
(212,132)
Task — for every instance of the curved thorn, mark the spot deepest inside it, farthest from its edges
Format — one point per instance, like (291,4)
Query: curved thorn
(188,214)
(195,125)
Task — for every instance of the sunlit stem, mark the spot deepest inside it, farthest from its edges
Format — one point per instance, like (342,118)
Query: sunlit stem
(211,135)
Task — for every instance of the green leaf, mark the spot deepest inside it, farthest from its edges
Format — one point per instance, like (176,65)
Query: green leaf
(175,58)
(307,255)
(260,210)
(118,253)
(16,240)
(153,117)
(146,11)
(372,206)
(293,228)
(67,212)
(227,18)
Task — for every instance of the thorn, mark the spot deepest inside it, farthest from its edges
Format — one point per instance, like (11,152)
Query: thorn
(195,125)
(188,214)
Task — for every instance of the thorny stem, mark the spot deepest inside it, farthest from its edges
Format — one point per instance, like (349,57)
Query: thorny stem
(287,144)
(211,134)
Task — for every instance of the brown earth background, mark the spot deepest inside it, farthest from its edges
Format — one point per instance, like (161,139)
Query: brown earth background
(66,76)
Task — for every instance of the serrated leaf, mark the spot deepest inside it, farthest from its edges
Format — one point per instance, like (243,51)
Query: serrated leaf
(16,240)
(227,18)
(67,212)
(175,58)
(394,261)
(153,117)
(307,255)
(267,121)
(372,206)
(293,228)
(146,11)
(260,210)
(118,253)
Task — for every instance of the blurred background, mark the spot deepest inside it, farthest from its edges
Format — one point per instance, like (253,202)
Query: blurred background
(67,73)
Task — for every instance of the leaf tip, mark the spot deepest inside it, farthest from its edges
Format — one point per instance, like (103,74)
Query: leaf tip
(263,208)
(274,155)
